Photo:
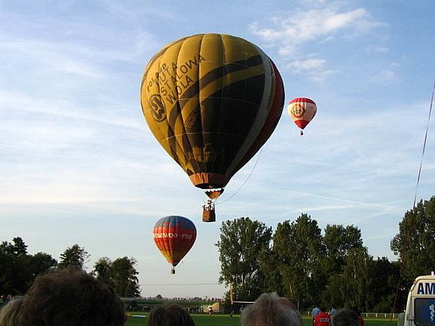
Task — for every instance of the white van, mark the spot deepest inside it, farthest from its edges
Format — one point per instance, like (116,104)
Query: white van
(420,306)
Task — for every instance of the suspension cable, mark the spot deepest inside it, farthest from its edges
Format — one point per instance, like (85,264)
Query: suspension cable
(424,145)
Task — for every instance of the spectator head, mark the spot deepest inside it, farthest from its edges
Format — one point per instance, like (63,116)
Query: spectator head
(11,312)
(71,297)
(170,315)
(271,310)
(345,317)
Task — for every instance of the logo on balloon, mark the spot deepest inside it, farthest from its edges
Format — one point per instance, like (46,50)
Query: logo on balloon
(298,110)
(157,108)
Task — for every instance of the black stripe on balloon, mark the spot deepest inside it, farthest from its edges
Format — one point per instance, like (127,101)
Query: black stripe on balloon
(230,68)
(203,82)
(212,76)
(230,121)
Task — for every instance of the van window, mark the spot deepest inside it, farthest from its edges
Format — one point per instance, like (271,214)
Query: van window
(424,311)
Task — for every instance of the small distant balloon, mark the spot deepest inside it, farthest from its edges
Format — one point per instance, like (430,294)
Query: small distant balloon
(174,236)
(302,110)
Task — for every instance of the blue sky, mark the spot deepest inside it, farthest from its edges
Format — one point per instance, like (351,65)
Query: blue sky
(79,165)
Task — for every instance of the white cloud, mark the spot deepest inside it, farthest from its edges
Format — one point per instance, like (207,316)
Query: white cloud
(311,25)
(51,57)
(376,49)
(297,33)
(306,65)
(386,75)
(314,69)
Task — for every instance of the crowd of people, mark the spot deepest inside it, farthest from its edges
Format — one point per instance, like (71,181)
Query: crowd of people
(343,317)
(71,297)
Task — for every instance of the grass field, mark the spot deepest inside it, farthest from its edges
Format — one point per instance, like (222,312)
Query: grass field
(137,319)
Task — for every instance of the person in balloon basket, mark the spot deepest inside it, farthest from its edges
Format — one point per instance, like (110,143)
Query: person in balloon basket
(170,315)
(271,310)
(322,318)
(71,297)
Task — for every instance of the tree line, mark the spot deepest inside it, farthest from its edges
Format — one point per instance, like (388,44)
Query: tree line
(18,268)
(297,260)
(331,268)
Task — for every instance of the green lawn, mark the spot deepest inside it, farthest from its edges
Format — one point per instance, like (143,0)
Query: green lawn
(226,320)
(200,320)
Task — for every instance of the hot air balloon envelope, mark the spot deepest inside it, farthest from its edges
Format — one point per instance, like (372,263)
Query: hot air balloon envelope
(211,101)
(302,110)
(174,236)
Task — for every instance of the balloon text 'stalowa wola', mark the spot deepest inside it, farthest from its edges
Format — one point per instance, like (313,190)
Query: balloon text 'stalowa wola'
(211,101)
(174,236)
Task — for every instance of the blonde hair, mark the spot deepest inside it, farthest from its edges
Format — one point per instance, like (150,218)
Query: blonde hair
(11,312)
(271,310)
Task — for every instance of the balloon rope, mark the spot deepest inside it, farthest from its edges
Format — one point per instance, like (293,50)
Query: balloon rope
(246,180)
(404,256)
(424,144)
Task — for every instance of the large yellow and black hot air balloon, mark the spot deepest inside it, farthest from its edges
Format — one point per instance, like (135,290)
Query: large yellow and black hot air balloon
(212,101)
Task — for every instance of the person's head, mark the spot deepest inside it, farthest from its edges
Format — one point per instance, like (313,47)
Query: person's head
(11,312)
(170,315)
(345,317)
(271,310)
(71,297)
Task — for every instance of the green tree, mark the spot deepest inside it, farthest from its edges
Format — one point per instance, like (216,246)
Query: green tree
(124,277)
(386,291)
(298,250)
(241,242)
(73,256)
(415,242)
(333,294)
(270,265)
(18,269)
(42,262)
(18,248)
(338,241)
(103,271)
(355,279)
(15,276)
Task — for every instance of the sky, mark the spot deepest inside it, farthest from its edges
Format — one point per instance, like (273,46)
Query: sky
(79,165)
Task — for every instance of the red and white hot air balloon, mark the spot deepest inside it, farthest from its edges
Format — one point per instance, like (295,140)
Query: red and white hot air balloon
(302,110)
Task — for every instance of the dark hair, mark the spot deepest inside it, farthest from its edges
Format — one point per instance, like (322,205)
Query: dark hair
(345,317)
(170,315)
(71,297)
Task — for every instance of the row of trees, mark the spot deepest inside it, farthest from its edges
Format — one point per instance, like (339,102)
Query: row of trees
(18,268)
(333,268)
(298,260)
